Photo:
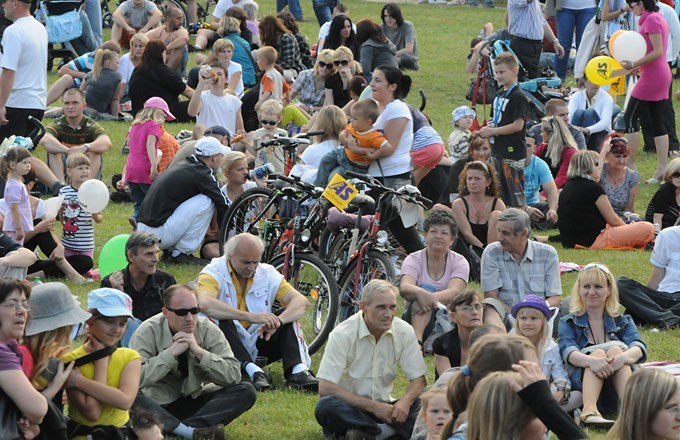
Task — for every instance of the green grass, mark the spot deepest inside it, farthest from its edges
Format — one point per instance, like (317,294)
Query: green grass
(443,34)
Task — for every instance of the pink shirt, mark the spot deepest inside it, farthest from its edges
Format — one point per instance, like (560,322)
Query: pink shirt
(138,166)
(655,77)
(415,265)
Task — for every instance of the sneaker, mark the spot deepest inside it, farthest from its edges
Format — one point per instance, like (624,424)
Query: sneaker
(303,381)
(262,381)
(187,259)
(209,433)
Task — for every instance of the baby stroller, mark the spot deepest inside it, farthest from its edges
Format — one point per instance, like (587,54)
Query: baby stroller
(537,90)
(68,30)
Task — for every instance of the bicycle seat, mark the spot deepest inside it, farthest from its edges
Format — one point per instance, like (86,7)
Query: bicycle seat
(339,219)
(363,201)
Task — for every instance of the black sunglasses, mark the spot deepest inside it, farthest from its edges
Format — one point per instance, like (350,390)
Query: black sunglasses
(341,62)
(675,175)
(265,122)
(325,65)
(185,312)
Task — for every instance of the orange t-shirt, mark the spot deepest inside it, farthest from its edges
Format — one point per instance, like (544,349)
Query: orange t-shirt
(368,139)
(169,146)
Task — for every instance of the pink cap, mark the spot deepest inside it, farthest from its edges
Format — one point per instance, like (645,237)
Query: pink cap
(160,103)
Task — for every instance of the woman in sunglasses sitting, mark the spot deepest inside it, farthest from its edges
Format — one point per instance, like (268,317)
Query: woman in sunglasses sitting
(664,207)
(619,182)
(337,84)
(585,215)
(309,87)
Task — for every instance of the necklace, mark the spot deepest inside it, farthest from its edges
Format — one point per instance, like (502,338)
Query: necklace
(478,214)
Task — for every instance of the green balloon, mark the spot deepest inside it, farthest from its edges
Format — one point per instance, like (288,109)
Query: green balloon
(112,255)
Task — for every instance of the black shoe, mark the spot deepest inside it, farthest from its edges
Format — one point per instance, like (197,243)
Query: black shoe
(262,381)
(215,432)
(303,381)
(188,259)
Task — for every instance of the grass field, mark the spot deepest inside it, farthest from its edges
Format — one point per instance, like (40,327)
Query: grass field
(444,33)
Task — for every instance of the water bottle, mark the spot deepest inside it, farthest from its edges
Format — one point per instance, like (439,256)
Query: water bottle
(36,281)
(262,171)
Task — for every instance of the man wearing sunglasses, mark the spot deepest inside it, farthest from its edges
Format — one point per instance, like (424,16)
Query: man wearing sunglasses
(656,303)
(241,293)
(190,377)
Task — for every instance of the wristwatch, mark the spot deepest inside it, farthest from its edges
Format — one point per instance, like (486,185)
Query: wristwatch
(87,147)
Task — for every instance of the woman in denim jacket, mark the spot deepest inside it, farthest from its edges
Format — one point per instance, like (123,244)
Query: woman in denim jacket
(597,342)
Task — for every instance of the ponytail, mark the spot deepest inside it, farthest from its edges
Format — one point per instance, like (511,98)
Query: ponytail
(98,61)
(395,76)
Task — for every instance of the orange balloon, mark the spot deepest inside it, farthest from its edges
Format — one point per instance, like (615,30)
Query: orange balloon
(614,36)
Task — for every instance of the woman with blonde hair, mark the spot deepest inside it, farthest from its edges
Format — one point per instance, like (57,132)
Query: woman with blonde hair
(478,204)
(557,148)
(332,121)
(601,345)
(131,60)
(337,84)
(309,87)
(102,86)
(650,408)
(585,215)
(664,207)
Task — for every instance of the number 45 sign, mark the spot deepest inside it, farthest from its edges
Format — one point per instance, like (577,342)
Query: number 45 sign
(339,192)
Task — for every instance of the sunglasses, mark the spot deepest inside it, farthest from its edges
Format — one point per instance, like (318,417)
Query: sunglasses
(265,122)
(604,269)
(325,65)
(341,62)
(185,312)
(675,175)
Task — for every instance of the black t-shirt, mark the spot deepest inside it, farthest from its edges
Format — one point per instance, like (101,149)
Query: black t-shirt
(160,81)
(664,202)
(510,105)
(448,345)
(7,245)
(340,95)
(148,301)
(579,220)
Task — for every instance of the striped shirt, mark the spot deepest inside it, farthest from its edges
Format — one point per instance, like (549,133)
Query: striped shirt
(78,231)
(525,19)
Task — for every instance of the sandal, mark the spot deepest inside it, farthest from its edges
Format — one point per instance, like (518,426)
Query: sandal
(595,420)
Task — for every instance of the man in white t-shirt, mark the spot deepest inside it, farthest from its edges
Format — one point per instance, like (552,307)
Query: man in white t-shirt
(215,106)
(658,302)
(23,83)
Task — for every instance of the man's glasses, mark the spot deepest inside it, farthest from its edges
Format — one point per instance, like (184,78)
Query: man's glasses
(185,312)
(341,62)
(266,122)
(325,65)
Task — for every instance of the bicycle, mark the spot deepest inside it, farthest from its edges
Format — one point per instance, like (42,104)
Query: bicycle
(289,146)
(371,258)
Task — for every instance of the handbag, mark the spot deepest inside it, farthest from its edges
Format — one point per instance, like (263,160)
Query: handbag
(64,27)
(484,87)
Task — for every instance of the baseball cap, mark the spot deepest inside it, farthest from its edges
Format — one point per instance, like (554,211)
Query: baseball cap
(462,112)
(534,302)
(110,302)
(218,130)
(160,103)
(209,146)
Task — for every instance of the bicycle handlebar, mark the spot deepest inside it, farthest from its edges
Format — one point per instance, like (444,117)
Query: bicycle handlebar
(372,181)
(302,138)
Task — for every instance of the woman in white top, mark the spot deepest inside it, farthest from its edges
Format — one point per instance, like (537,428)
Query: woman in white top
(591,110)
(130,60)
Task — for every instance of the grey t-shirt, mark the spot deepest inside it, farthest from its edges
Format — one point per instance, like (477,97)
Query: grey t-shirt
(99,92)
(137,17)
(402,35)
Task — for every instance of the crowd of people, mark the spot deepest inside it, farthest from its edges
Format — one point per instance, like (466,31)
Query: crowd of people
(147,356)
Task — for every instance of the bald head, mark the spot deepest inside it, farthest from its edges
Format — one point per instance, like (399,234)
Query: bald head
(244,252)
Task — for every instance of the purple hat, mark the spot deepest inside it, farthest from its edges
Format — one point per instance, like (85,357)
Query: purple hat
(160,103)
(535,302)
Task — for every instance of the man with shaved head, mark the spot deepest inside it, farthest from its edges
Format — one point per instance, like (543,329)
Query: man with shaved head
(240,292)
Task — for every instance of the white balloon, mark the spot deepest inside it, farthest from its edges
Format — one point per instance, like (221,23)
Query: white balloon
(93,195)
(629,46)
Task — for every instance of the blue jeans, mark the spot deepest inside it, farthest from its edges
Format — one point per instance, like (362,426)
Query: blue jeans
(324,10)
(568,20)
(93,10)
(336,162)
(137,193)
(293,7)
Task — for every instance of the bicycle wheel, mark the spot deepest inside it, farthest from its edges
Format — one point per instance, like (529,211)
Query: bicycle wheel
(312,278)
(375,265)
(249,213)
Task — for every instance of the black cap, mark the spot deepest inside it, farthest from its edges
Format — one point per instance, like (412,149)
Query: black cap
(218,130)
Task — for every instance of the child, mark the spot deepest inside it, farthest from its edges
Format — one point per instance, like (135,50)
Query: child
(459,137)
(435,412)
(532,316)
(142,164)
(359,151)
(101,392)
(14,166)
(102,85)
(508,146)
(272,85)
(78,231)
(269,115)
